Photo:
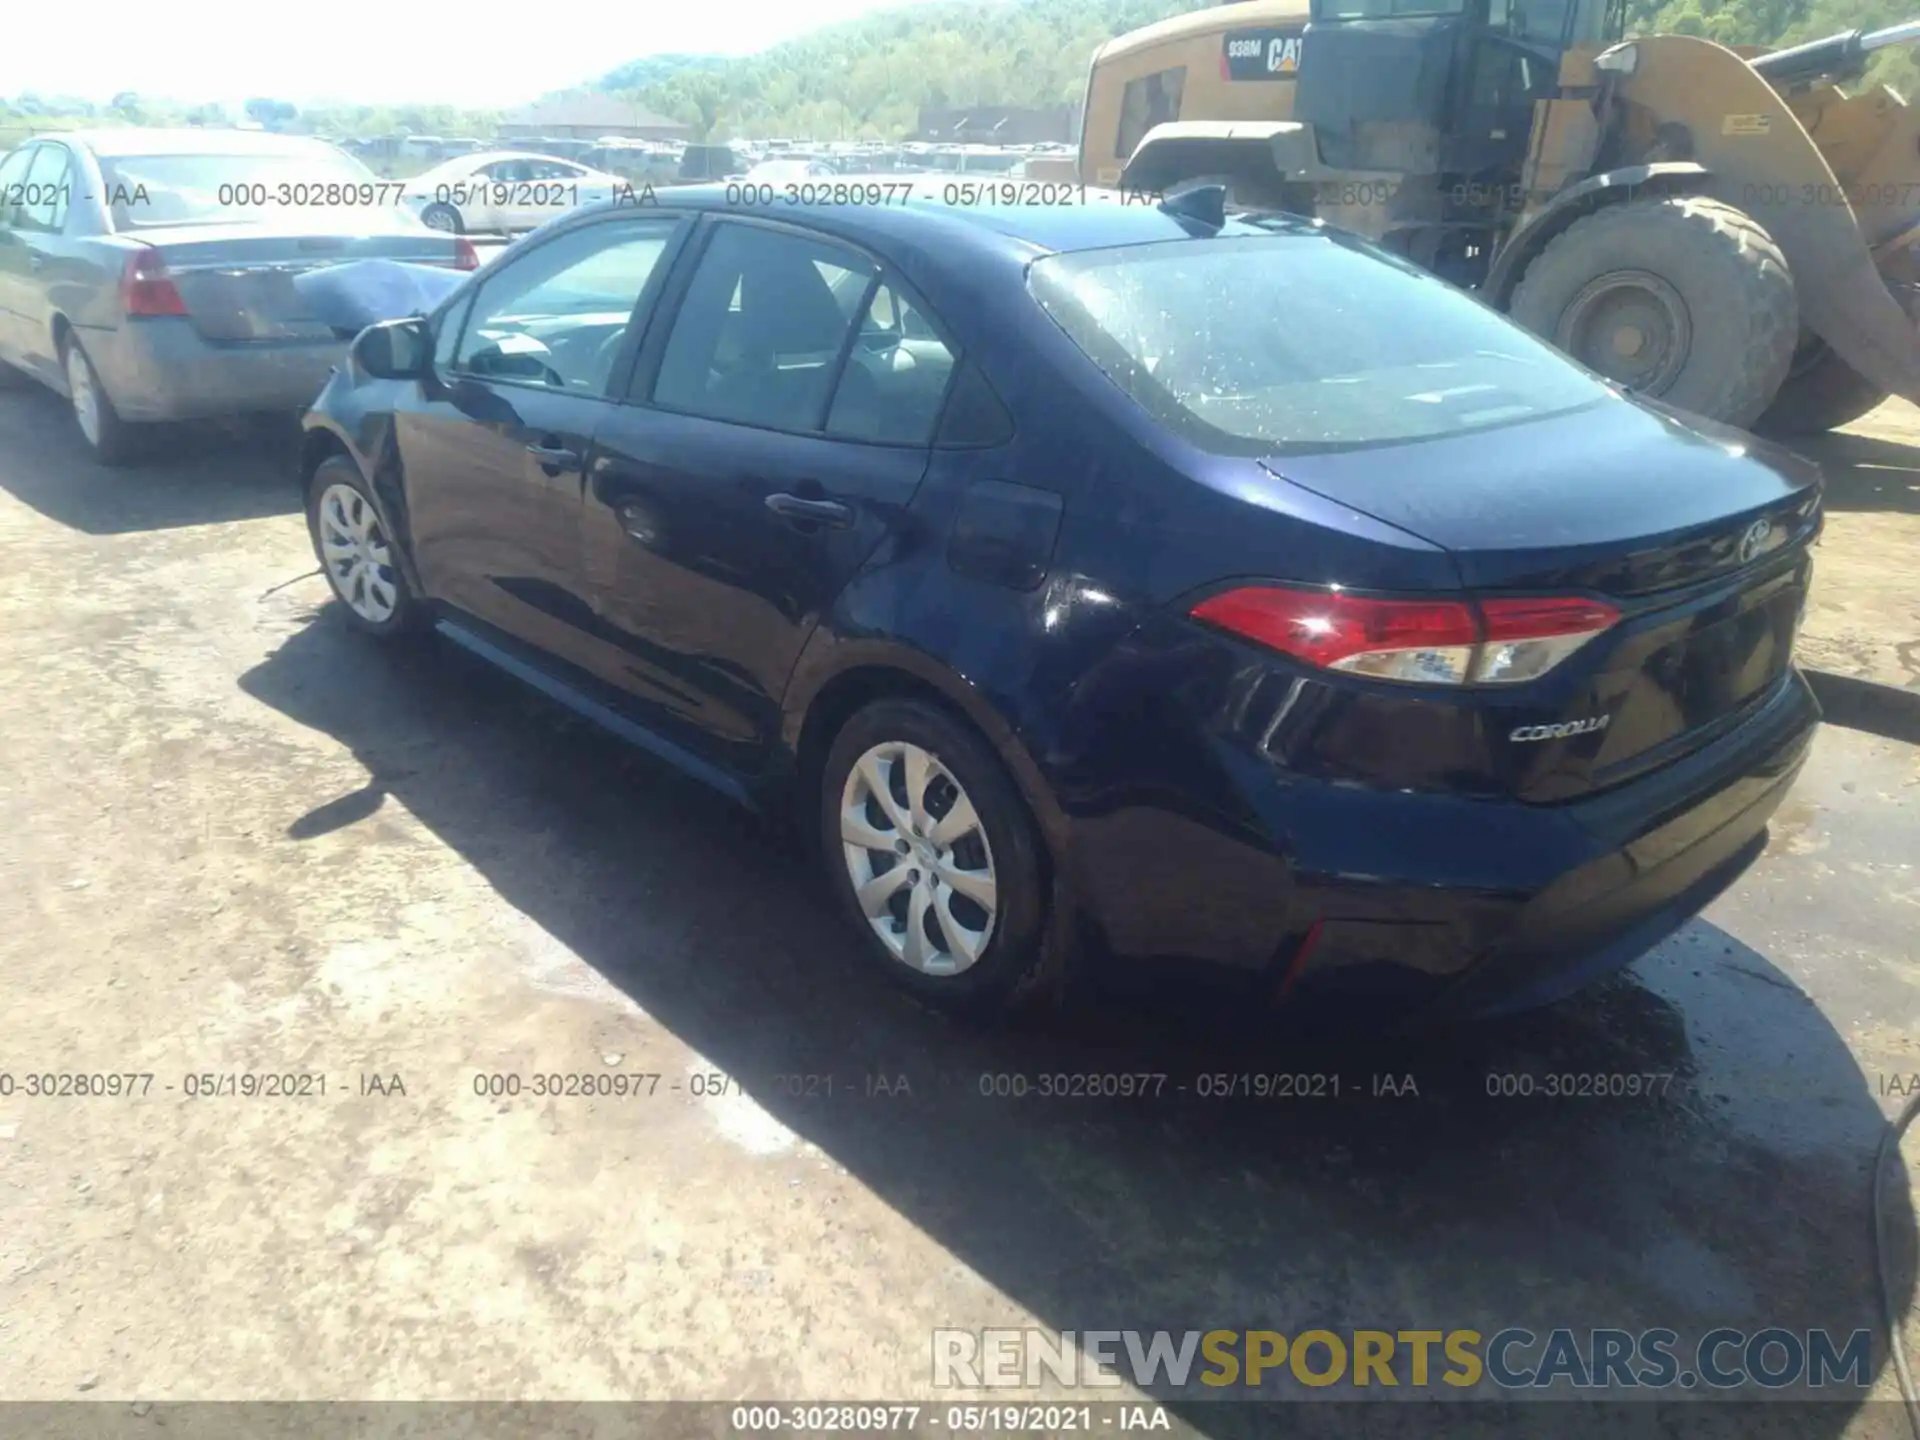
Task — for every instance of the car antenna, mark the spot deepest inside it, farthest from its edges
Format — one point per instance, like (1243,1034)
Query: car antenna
(1203,202)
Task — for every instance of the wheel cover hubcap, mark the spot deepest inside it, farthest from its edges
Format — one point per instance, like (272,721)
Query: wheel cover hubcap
(438,219)
(1632,327)
(86,400)
(356,555)
(918,856)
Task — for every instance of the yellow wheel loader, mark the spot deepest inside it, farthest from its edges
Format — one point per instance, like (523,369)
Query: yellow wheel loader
(1730,232)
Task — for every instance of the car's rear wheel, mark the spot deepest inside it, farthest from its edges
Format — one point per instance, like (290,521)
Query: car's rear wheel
(443,217)
(356,552)
(933,855)
(111,439)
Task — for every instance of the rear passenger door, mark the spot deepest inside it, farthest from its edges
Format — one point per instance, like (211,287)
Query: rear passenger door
(777,432)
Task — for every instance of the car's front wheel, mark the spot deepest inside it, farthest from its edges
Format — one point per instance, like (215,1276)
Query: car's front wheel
(442,216)
(111,439)
(934,856)
(356,552)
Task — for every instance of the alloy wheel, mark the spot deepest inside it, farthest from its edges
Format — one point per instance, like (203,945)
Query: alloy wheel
(85,395)
(357,556)
(918,856)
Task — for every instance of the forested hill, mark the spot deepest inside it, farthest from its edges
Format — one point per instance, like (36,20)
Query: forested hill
(868,78)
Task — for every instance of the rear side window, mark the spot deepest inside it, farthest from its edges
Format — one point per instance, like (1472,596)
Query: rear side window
(1291,343)
(48,185)
(759,337)
(896,376)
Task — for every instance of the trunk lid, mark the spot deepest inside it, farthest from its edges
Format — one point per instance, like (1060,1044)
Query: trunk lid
(1699,534)
(236,281)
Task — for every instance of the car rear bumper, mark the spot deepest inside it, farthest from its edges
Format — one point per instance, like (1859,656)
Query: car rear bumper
(1427,905)
(160,369)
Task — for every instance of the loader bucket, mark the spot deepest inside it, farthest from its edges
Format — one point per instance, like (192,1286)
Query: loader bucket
(1761,159)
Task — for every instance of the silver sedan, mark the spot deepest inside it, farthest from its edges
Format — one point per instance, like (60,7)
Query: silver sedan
(148,274)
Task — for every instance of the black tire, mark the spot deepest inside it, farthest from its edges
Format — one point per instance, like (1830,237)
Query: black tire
(1741,317)
(1823,393)
(995,983)
(114,442)
(447,218)
(409,615)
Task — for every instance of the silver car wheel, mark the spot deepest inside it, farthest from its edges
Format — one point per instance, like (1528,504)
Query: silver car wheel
(85,395)
(440,217)
(356,554)
(918,856)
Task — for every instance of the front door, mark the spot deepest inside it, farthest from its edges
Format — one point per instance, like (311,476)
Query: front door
(782,427)
(495,443)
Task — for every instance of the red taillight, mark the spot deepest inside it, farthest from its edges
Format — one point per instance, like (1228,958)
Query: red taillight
(465,257)
(1431,642)
(146,288)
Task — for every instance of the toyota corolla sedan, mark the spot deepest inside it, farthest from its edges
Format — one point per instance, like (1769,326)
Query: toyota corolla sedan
(1123,579)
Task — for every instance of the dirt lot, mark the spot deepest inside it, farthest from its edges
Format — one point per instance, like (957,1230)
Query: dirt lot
(238,839)
(1865,618)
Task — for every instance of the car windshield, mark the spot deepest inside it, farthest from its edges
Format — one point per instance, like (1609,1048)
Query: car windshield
(1287,343)
(145,191)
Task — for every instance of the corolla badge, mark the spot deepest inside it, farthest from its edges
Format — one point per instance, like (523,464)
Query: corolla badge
(1560,731)
(1755,540)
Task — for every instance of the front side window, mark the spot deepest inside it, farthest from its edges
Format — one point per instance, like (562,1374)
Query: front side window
(1272,344)
(1149,101)
(759,337)
(556,316)
(449,328)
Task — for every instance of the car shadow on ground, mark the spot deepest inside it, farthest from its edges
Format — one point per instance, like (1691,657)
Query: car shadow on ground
(1865,472)
(1736,1195)
(201,474)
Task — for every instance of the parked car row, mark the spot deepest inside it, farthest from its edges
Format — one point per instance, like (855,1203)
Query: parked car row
(147,275)
(1131,580)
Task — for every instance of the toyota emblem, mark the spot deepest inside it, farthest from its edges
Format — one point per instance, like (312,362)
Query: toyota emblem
(1755,540)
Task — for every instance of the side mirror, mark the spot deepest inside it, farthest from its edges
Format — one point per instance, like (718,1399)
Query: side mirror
(395,349)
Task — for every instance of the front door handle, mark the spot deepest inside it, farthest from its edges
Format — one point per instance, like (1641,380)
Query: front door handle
(800,510)
(35,260)
(555,459)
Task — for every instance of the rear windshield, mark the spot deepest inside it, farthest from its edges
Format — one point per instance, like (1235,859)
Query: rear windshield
(145,191)
(1289,343)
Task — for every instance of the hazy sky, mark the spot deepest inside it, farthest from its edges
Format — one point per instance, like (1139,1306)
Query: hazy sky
(377,51)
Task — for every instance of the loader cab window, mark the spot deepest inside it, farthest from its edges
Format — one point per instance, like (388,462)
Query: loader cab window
(1385,9)
(1558,24)
(1149,101)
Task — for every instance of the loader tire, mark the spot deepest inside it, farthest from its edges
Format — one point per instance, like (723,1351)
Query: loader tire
(1821,393)
(1682,298)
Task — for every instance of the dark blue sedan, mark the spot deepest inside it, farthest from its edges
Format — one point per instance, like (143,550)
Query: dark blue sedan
(1109,579)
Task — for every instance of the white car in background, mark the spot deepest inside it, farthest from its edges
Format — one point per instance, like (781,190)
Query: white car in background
(502,191)
(789,172)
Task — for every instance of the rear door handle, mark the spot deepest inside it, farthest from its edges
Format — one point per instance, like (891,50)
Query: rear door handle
(799,510)
(555,459)
(35,260)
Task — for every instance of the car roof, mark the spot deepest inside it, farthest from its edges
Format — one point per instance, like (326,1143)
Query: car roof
(135,140)
(1103,220)
(485,156)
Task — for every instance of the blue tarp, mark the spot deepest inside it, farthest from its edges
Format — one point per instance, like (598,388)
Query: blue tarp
(360,293)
